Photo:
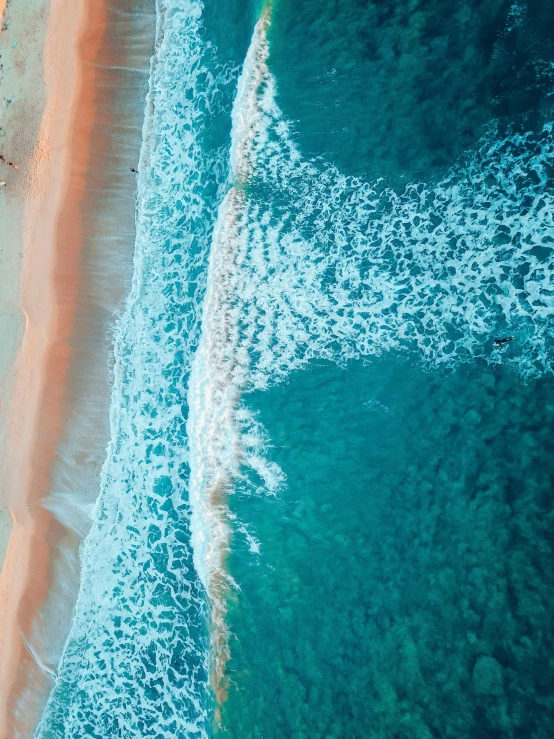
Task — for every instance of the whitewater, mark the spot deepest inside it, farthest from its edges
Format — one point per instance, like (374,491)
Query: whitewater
(253,261)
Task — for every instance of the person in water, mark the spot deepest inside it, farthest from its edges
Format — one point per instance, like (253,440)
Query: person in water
(133,170)
(499,343)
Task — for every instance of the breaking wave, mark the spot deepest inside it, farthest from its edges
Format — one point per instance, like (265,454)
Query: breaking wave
(250,263)
(307,263)
(136,661)
(216,425)
(338,268)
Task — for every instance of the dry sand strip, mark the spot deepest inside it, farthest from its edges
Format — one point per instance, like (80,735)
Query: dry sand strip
(40,193)
(74,243)
(22,100)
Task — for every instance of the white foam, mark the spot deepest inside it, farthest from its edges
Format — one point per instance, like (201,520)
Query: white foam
(307,263)
(218,449)
(338,269)
(135,661)
(304,263)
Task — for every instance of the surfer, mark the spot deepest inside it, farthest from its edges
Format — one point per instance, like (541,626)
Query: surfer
(499,343)
(133,170)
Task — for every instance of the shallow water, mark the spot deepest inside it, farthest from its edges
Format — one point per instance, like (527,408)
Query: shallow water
(326,502)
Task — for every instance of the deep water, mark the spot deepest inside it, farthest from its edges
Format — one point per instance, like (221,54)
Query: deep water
(403,585)
(402,88)
(327,501)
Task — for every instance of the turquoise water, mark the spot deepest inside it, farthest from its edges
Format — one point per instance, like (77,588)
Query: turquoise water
(401,89)
(325,509)
(403,585)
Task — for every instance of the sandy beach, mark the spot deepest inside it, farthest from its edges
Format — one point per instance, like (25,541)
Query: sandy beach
(22,99)
(41,361)
(55,397)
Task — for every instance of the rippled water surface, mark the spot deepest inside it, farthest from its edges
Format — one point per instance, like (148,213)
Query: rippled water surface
(326,506)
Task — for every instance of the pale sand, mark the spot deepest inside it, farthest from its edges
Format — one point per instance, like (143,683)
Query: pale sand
(99,213)
(21,84)
(74,279)
(19,121)
(5,531)
(25,567)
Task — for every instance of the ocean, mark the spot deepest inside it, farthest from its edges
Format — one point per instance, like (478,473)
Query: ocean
(326,506)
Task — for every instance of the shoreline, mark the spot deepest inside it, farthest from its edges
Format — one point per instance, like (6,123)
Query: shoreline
(42,361)
(78,231)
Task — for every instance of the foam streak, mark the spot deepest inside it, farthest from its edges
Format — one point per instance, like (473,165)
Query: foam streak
(220,367)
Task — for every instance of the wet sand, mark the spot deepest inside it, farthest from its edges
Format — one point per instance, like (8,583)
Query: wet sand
(22,100)
(41,362)
(77,250)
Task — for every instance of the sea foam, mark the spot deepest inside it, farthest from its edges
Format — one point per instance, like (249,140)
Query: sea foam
(218,449)
(338,268)
(299,262)
(136,660)
(307,263)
